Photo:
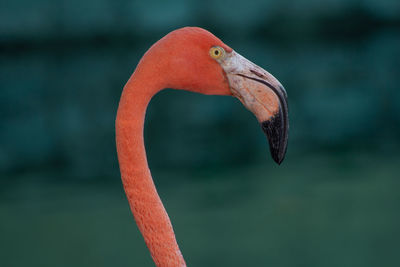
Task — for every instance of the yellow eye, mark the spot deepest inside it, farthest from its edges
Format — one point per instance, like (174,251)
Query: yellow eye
(216,52)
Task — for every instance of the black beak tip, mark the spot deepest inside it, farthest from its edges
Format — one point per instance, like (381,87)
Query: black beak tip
(278,159)
(277,156)
(276,132)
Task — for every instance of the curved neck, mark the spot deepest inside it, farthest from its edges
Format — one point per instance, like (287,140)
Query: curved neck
(146,206)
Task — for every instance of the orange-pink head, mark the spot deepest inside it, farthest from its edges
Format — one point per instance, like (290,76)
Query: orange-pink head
(193,59)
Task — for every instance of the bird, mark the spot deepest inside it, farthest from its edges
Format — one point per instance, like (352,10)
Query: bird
(192,59)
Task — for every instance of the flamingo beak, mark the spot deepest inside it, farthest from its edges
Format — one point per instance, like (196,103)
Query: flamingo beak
(264,96)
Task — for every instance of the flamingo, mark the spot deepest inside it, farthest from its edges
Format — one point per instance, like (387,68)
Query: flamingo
(192,59)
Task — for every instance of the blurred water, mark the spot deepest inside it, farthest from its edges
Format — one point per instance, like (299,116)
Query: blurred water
(317,210)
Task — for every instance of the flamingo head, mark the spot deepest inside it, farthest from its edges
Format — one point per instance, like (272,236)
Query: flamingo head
(200,62)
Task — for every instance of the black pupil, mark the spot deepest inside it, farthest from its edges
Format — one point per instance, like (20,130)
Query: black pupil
(216,52)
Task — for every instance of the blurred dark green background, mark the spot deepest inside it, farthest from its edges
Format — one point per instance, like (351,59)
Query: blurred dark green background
(333,202)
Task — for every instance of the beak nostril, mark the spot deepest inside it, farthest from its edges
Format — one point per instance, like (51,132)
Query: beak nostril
(258,74)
